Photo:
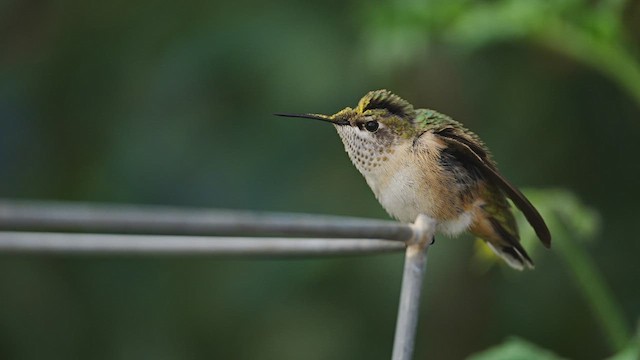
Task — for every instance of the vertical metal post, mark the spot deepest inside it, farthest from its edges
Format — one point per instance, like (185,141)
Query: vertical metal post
(414,268)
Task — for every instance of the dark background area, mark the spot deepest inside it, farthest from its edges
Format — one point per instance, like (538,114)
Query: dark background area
(160,102)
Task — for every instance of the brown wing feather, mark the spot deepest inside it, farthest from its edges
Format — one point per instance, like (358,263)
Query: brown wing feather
(478,156)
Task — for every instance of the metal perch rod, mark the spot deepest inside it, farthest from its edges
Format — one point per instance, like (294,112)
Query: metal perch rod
(70,243)
(415,264)
(86,217)
(36,227)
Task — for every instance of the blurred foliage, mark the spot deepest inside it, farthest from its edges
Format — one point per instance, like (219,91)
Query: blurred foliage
(572,224)
(589,31)
(515,349)
(593,286)
(166,102)
(518,349)
(632,351)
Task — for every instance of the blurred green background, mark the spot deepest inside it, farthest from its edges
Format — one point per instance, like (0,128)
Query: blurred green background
(160,102)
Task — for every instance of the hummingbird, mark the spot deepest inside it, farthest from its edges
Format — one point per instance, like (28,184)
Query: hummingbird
(419,161)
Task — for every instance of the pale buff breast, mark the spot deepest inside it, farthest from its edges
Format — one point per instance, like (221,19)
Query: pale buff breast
(409,181)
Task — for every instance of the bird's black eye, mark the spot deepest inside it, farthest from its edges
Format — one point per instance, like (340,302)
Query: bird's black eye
(371,126)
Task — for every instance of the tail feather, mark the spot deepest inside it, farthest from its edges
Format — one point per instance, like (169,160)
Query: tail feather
(501,235)
(512,256)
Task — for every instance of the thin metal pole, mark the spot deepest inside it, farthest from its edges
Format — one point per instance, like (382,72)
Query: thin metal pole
(131,219)
(103,244)
(414,269)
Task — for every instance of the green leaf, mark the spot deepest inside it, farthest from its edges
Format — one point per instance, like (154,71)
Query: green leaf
(515,349)
(631,352)
(584,222)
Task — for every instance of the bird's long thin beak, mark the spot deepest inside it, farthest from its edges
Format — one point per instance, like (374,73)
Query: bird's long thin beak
(326,118)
